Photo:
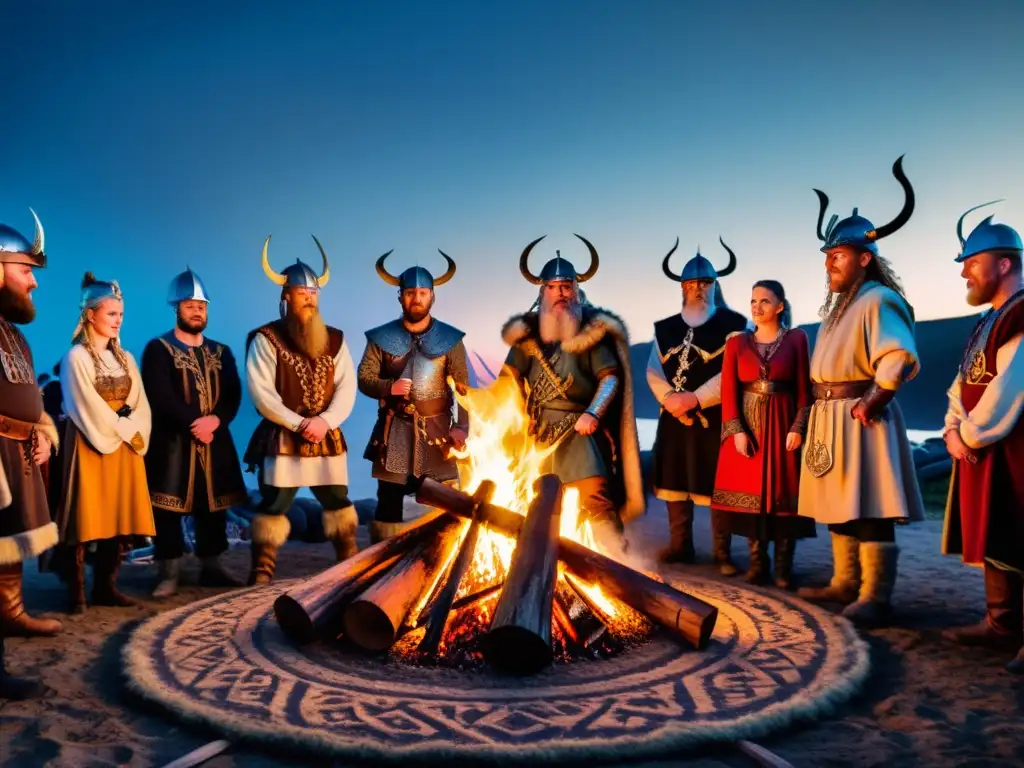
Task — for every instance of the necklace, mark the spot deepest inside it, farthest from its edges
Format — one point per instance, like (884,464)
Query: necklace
(765,350)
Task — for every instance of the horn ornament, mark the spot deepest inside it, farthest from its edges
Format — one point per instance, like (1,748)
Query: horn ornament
(275,277)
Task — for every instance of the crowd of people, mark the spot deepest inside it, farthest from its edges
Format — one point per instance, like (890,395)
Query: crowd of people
(773,437)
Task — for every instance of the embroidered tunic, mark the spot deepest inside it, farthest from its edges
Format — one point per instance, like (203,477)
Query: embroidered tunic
(985,507)
(849,471)
(105,493)
(184,383)
(689,358)
(287,387)
(765,395)
(25,527)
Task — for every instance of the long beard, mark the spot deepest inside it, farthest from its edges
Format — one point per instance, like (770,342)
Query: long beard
(307,331)
(16,308)
(559,324)
(836,304)
(696,313)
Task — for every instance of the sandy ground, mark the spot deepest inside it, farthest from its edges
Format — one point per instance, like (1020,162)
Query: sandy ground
(927,702)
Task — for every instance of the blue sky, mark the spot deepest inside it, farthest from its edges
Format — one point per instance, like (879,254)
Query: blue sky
(148,136)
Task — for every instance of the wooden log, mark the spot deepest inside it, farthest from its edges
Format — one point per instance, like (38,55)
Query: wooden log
(586,620)
(437,619)
(314,607)
(683,615)
(373,619)
(519,639)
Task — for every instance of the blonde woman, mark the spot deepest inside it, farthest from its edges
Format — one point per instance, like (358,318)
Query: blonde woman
(105,497)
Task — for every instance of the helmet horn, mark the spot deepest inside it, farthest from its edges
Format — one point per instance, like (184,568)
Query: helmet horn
(664,264)
(908,205)
(731,266)
(960,222)
(595,260)
(40,241)
(823,199)
(275,277)
(326,274)
(449,273)
(386,276)
(524,265)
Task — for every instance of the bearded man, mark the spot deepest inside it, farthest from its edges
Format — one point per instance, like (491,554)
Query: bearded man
(302,380)
(984,433)
(405,368)
(858,472)
(684,372)
(571,361)
(192,465)
(27,439)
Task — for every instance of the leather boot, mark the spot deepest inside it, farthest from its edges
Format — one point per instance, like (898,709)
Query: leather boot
(269,533)
(104,575)
(380,531)
(722,544)
(1004,603)
(212,574)
(759,570)
(784,551)
(1016,666)
(170,572)
(878,578)
(74,562)
(16,688)
(680,531)
(845,573)
(340,529)
(14,621)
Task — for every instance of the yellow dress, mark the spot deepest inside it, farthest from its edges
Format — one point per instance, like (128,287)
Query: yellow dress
(105,494)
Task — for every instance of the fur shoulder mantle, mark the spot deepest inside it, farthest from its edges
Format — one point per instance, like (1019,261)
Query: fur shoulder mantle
(597,323)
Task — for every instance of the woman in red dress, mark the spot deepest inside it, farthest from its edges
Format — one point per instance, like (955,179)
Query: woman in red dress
(766,399)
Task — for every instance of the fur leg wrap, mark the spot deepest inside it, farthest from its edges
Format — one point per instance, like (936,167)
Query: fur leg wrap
(878,578)
(340,528)
(271,530)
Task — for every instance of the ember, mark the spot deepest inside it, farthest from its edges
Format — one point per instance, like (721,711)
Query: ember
(455,588)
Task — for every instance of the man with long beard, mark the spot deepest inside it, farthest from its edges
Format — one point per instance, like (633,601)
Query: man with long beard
(27,438)
(984,432)
(685,374)
(858,472)
(571,360)
(405,368)
(192,465)
(302,380)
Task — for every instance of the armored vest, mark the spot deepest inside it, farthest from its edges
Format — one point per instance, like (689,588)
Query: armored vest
(421,358)
(692,356)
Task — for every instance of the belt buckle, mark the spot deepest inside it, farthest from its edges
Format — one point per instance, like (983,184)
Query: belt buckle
(828,393)
(410,408)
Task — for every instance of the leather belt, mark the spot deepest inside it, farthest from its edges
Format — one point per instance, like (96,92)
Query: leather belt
(840,390)
(564,405)
(15,429)
(765,387)
(427,409)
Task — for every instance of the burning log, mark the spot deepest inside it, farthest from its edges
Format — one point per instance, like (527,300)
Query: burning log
(586,623)
(519,640)
(314,608)
(372,620)
(442,607)
(684,615)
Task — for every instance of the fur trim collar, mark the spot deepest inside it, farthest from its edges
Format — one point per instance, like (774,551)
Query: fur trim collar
(597,323)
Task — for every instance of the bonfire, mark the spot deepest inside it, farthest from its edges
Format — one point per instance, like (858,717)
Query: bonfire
(506,570)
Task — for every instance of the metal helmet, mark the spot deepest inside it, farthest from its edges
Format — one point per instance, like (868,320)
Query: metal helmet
(699,268)
(299,274)
(986,236)
(558,269)
(187,287)
(16,249)
(859,232)
(94,291)
(415,277)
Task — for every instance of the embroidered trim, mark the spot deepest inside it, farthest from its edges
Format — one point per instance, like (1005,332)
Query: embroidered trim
(313,380)
(13,356)
(737,499)
(730,428)
(800,422)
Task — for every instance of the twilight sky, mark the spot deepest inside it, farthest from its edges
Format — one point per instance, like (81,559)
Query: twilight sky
(151,135)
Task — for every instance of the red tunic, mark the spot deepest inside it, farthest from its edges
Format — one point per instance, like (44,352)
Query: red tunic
(985,514)
(767,405)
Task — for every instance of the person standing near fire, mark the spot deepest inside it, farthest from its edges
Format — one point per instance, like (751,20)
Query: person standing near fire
(192,464)
(685,374)
(984,433)
(301,379)
(571,362)
(858,472)
(405,368)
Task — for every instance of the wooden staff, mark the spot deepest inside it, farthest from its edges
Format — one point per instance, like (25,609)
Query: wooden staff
(439,612)
(683,615)
(519,640)
(313,608)
(372,620)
